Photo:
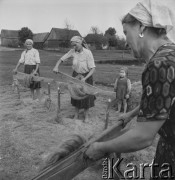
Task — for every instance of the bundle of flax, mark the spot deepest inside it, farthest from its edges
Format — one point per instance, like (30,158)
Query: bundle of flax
(79,91)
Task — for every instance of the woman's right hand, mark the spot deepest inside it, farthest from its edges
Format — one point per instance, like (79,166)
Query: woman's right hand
(55,69)
(125,118)
(15,71)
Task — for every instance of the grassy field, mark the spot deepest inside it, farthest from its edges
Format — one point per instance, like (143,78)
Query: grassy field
(29,131)
(105,73)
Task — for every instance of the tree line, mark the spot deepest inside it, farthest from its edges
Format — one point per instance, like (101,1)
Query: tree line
(108,40)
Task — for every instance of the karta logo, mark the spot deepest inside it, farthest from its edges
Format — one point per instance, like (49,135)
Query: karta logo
(111,169)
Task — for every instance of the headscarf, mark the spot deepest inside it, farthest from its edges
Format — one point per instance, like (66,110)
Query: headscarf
(29,41)
(156,13)
(80,40)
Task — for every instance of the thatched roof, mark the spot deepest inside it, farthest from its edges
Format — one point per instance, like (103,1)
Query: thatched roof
(62,34)
(40,37)
(10,34)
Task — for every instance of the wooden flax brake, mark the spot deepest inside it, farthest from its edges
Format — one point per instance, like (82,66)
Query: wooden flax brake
(68,79)
(70,166)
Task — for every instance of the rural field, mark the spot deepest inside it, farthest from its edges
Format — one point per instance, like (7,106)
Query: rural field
(29,132)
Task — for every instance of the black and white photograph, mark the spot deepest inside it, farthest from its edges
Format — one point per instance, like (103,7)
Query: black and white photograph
(87,89)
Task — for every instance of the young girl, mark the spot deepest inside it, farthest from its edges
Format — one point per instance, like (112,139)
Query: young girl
(122,87)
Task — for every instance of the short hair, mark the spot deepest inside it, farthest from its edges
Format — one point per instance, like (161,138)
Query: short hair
(129,19)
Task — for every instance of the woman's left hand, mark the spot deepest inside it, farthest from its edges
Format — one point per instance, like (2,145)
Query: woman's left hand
(83,79)
(34,73)
(127,96)
(94,151)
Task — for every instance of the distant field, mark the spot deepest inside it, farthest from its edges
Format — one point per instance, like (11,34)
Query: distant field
(105,73)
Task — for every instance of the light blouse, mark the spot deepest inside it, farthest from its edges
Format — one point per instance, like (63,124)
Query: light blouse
(30,57)
(82,61)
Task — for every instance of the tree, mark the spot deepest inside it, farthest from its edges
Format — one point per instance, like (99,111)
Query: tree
(68,27)
(112,40)
(111,31)
(96,40)
(121,43)
(25,33)
(95,30)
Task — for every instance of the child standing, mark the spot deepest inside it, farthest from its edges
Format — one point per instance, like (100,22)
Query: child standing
(122,87)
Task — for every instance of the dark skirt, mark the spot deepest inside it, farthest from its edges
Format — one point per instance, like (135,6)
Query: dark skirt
(87,102)
(28,69)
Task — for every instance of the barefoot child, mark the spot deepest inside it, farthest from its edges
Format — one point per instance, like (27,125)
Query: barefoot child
(122,87)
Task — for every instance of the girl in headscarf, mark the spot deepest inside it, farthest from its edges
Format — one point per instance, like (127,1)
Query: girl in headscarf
(122,87)
(146,28)
(31,60)
(83,65)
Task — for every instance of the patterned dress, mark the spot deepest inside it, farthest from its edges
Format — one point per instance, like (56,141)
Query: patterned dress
(158,103)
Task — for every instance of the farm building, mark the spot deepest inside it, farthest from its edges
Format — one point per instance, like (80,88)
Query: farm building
(60,37)
(39,39)
(9,38)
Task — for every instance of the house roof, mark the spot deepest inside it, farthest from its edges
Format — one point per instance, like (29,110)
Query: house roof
(9,33)
(40,37)
(62,34)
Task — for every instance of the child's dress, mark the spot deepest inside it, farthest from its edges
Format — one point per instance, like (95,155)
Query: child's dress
(122,89)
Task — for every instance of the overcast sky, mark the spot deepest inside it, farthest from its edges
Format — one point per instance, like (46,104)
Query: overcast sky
(42,15)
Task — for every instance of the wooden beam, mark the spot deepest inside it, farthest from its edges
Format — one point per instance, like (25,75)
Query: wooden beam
(68,79)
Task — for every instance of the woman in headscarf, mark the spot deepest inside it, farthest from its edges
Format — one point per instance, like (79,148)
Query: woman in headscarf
(146,28)
(31,60)
(83,65)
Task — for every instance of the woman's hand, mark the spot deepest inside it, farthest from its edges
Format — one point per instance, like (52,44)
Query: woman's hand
(15,71)
(127,96)
(125,118)
(95,151)
(55,69)
(83,79)
(34,73)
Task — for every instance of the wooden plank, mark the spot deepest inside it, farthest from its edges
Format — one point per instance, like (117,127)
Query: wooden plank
(68,79)
(87,87)
(72,165)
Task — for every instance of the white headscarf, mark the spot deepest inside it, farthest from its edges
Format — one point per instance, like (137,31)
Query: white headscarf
(78,39)
(29,41)
(156,13)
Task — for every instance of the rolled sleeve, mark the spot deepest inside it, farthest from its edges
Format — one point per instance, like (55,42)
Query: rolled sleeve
(37,57)
(22,59)
(158,81)
(67,55)
(90,61)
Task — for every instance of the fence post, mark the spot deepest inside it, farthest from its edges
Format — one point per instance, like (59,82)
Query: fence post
(58,116)
(48,90)
(58,103)
(107,114)
(16,86)
(48,100)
